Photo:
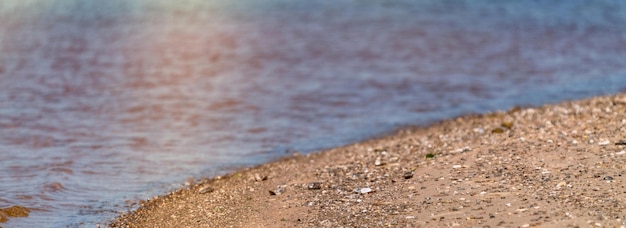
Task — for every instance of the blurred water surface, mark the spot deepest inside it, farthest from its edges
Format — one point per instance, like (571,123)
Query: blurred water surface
(103,103)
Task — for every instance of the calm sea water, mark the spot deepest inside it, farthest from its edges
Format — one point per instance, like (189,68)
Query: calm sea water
(104,103)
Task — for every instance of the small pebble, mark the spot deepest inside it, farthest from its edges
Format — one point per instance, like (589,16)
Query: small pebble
(408,175)
(279,190)
(456,166)
(205,190)
(620,100)
(258,177)
(363,190)
(461,150)
(378,162)
(608,178)
(497,130)
(604,142)
(314,185)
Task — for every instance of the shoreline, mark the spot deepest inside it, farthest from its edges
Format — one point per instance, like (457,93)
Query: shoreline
(553,165)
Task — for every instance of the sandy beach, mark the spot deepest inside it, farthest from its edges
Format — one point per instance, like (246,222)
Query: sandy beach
(559,165)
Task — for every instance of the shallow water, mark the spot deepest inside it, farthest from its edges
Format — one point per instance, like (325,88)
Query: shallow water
(104,103)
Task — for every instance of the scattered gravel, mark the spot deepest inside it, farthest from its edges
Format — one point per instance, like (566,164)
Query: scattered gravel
(556,165)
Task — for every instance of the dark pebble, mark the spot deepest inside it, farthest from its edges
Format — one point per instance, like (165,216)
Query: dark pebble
(497,130)
(608,178)
(621,142)
(408,175)
(279,190)
(314,185)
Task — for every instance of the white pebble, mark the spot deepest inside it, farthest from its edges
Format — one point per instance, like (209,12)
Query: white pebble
(364,190)
(604,142)
(456,166)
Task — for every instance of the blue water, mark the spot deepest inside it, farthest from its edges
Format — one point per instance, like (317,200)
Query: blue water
(104,103)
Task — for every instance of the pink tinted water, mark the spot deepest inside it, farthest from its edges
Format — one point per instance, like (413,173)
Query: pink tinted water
(103,103)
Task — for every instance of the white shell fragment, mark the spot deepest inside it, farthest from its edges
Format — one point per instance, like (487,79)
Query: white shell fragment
(363,190)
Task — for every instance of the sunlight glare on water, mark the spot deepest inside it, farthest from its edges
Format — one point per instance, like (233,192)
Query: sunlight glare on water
(104,103)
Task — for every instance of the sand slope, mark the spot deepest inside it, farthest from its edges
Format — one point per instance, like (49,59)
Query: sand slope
(555,166)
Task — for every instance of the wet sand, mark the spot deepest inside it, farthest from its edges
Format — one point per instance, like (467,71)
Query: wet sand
(556,166)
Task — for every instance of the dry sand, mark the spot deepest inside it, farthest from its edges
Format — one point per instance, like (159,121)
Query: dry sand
(551,166)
